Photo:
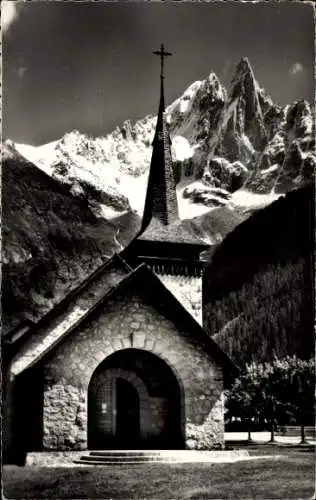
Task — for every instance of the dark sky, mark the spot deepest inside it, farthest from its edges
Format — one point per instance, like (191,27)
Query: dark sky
(89,66)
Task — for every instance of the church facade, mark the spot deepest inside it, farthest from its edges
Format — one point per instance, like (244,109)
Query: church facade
(123,361)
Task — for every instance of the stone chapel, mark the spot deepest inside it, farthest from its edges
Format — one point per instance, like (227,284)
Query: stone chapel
(123,361)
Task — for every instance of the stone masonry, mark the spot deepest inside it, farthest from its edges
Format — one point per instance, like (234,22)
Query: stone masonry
(188,291)
(129,322)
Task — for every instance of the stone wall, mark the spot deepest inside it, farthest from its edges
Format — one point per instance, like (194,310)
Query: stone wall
(129,322)
(64,417)
(188,291)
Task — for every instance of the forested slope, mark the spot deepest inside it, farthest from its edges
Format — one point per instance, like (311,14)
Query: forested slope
(258,288)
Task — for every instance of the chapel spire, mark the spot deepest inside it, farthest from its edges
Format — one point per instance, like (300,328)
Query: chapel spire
(161,198)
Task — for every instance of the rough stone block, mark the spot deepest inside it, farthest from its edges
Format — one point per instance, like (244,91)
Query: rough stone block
(138,340)
(162,346)
(150,344)
(135,325)
(126,343)
(117,344)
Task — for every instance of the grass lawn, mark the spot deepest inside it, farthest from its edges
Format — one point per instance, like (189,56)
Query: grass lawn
(291,476)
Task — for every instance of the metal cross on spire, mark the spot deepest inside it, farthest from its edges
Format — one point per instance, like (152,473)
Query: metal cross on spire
(162,55)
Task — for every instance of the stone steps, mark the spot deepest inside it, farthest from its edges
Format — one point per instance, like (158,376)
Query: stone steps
(128,457)
(132,453)
(124,461)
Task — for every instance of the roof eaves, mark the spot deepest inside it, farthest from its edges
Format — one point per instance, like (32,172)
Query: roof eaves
(73,294)
(81,320)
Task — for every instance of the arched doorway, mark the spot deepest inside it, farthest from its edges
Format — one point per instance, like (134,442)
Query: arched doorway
(134,402)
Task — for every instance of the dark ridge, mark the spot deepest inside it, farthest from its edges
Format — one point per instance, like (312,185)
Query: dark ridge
(258,288)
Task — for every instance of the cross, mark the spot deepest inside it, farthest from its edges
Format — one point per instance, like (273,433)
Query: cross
(162,55)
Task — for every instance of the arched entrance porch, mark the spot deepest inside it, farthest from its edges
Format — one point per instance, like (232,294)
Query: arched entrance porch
(134,402)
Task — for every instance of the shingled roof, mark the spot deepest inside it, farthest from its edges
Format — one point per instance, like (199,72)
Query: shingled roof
(161,198)
(171,233)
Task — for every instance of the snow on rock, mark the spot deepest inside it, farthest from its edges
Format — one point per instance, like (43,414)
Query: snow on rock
(299,120)
(246,199)
(269,170)
(184,104)
(198,192)
(221,173)
(42,156)
(274,151)
(195,114)
(80,162)
(181,149)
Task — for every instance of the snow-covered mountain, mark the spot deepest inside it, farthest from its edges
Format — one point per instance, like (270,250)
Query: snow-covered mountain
(68,205)
(227,147)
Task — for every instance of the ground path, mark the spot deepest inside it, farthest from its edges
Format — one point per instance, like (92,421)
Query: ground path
(264,437)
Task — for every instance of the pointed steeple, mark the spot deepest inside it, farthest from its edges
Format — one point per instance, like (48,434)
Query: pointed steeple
(161,198)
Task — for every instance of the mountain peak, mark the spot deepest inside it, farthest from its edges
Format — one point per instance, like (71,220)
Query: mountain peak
(246,97)
(244,62)
(213,86)
(213,78)
(244,74)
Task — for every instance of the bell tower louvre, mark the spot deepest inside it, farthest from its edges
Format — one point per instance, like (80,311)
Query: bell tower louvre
(164,243)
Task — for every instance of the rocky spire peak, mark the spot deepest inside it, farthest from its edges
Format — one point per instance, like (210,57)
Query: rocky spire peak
(244,67)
